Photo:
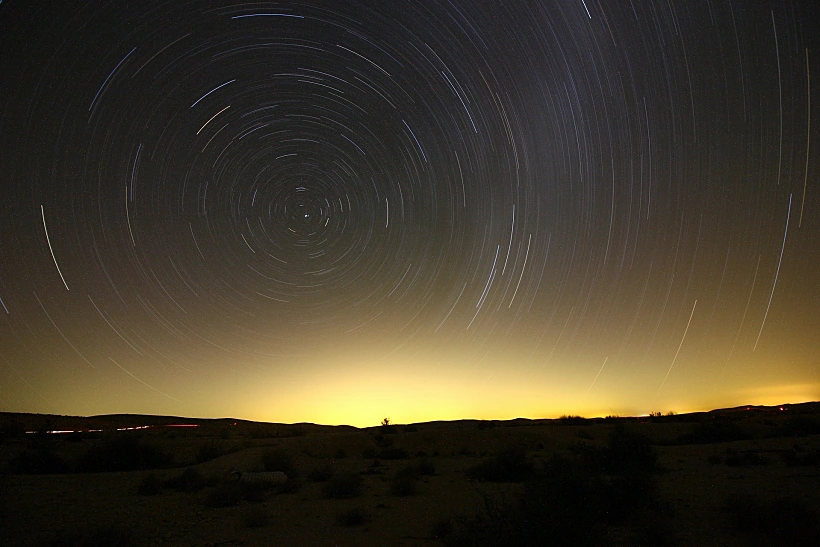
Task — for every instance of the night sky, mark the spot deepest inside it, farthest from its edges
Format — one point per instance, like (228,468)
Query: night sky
(337,211)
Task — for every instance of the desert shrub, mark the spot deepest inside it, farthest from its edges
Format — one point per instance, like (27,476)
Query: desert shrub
(279,460)
(387,428)
(123,453)
(322,473)
(404,482)
(778,522)
(190,480)
(255,517)
(352,517)
(393,453)
(343,486)
(150,485)
(209,451)
(510,465)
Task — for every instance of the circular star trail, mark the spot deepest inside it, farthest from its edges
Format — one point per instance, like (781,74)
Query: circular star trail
(321,211)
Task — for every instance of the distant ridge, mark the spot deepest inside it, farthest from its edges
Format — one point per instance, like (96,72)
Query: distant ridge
(107,422)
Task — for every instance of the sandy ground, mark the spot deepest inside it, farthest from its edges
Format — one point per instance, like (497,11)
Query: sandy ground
(39,509)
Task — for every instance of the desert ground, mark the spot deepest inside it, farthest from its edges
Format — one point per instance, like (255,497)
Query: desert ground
(744,476)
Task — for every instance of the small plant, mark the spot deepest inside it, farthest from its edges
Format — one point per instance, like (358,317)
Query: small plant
(387,428)
(343,486)
(352,517)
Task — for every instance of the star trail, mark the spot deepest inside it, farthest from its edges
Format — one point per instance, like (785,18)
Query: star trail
(337,211)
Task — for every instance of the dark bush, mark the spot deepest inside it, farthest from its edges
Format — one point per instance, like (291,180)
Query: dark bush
(777,522)
(190,480)
(150,486)
(343,486)
(123,453)
(511,465)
